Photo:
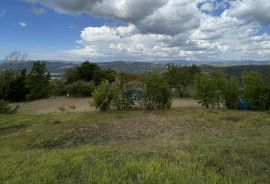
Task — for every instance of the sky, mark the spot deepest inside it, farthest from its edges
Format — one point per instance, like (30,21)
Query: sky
(141,30)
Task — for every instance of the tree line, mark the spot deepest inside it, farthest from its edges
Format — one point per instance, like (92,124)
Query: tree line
(123,91)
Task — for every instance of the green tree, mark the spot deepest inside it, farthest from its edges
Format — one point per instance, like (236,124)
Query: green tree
(57,87)
(109,75)
(256,91)
(37,81)
(88,71)
(72,75)
(17,88)
(157,93)
(232,93)
(80,88)
(252,85)
(6,77)
(180,77)
(209,90)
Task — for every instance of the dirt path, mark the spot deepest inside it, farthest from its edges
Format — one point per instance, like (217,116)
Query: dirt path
(78,105)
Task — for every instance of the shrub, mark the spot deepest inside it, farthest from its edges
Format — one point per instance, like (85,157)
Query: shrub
(253,89)
(232,94)
(157,93)
(154,93)
(127,95)
(80,88)
(209,90)
(264,98)
(103,96)
(57,88)
(5,108)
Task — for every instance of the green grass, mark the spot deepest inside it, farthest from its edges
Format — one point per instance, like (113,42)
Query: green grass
(174,146)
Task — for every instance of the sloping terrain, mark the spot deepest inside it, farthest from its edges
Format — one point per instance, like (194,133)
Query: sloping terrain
(182,145)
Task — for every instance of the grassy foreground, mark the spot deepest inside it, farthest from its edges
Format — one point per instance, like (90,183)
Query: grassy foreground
(175,146)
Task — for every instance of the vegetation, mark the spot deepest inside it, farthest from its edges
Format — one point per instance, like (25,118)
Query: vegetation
(232,93)
(191,145)
(37,81)
(89,72)
(4,107)
(80,88)
(157,94)
(212,90)
(209,90)
(103,96)
(256,91)
(181,77)
(152,93)
(174,146)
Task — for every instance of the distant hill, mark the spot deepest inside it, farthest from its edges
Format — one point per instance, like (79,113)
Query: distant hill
(120,66)
(237,71)
(131,67)
(57,68)
(214,63)
(52,66)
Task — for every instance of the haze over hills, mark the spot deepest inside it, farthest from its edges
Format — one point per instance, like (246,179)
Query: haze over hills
(230,67)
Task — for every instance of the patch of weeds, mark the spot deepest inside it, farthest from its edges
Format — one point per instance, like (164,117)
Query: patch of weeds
(72,107)
(62,109)
(71,138)
(232,118)
(6,108)
(56,122)
(12,129)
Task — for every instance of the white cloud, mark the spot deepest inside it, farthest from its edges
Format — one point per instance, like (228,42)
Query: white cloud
(151,16)
(208,6)
(172,29)
(22,24)
(125,41)
(251,10)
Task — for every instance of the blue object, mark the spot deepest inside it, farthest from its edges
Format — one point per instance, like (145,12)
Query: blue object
(242,104)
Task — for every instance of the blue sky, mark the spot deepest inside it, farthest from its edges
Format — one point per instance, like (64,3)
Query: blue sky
(136,29)
(43,33)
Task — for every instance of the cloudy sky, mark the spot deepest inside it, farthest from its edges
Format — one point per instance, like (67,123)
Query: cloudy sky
(104,30)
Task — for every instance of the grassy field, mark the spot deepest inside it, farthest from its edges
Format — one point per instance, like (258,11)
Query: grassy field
(182,145)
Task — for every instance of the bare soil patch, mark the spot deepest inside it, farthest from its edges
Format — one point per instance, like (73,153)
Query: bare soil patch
(63,104)
(56,105)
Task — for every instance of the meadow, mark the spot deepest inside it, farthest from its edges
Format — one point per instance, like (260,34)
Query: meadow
(181,145)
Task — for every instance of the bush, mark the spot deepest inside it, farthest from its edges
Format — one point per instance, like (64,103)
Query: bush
(209,90)
(232,94)
(103,96)
(80,88)
(253,90)
(57,87)
(128,95)
(264,98)
(157,93)
(5,108)
(154,93)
